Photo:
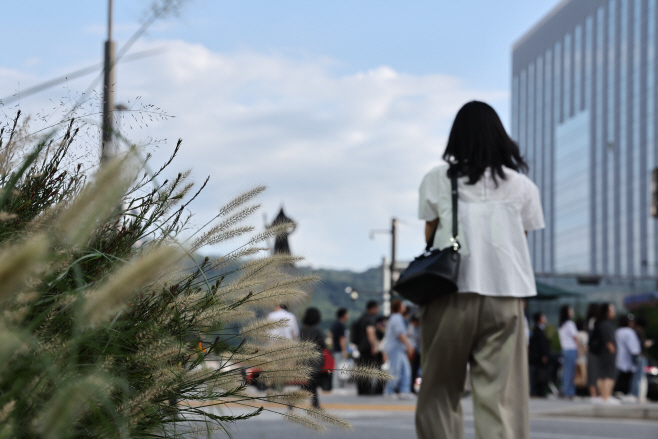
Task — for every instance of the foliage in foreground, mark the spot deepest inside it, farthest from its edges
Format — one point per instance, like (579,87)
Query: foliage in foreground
(103,332)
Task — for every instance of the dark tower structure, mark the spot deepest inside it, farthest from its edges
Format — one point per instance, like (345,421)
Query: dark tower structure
(281,244)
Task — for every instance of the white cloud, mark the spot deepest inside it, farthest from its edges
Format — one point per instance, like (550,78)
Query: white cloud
(343,154)
(32,61)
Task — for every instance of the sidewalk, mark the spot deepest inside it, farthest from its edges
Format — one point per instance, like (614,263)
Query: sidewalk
(347,400)
(647,411)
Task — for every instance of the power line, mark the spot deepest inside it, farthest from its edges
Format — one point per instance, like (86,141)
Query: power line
(74,75)
(158,11)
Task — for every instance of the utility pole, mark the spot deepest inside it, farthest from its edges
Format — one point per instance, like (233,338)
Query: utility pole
(107,146)
(390,272)
(386,287)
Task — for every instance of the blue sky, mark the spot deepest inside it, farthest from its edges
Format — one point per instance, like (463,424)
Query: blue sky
(338,106)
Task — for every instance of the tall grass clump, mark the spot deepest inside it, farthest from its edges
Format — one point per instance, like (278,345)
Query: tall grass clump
(109,321)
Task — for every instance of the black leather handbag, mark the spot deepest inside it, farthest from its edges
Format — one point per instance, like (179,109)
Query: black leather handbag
(434,273)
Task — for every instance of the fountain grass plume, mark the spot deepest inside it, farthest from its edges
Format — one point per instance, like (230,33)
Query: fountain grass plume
(19,261)
(111,320)
(127,281)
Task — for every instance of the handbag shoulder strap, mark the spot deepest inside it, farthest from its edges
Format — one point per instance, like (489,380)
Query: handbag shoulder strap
(455,217)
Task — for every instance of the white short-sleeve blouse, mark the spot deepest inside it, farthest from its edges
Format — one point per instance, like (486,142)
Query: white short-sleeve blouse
(493,220)
(567,334)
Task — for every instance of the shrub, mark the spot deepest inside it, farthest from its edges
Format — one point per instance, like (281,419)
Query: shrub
(104,331)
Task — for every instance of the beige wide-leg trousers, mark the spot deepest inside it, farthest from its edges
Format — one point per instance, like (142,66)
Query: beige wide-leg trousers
(488,333)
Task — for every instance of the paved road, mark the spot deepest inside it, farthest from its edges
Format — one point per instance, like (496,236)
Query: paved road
(377,418)
(373,425)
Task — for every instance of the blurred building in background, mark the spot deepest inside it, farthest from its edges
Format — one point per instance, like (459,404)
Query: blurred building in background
(584,112)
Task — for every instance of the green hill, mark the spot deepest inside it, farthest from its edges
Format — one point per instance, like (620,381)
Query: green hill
(329,294)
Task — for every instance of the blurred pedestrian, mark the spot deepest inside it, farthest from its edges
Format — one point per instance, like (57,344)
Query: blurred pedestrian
(381,358)
(602,344)
(311,332)
(628,350)
(539,352)
(290,330)
(413,335)
(339,341)
(406,315)
(639,383)
(592,358)
(365,338)
(526,324)
(381,323)
(568,334)
(482,325)
(398,349)
(580,374)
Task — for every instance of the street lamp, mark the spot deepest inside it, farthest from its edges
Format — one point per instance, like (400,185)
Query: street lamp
(352,292)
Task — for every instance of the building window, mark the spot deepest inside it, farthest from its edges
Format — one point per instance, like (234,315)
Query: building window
(539,105)
(546,160)
(652,251)
(566,78)
(611,147)
(600,147)
(572,192)
(557,83)
(638,177)
(577,68)
(623,189)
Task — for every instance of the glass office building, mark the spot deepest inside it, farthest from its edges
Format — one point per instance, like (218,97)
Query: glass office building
(584,112)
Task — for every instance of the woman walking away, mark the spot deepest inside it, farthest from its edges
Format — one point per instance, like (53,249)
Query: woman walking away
(606,351)
(639,383)
(580,374)
(592,358)
(483,324)
(539,351)
(569,342)
(310,332)
(628,350)
(398,349)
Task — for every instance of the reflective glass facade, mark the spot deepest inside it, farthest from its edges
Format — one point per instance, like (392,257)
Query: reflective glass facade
(572,192)
(584,112)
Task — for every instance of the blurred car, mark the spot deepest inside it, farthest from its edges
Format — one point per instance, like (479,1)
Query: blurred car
(251,375)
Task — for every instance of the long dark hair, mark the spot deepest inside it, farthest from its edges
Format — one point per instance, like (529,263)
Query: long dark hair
(604,311)
(592,311)
(477,141)
(312,317)
(564,314)
(396,305)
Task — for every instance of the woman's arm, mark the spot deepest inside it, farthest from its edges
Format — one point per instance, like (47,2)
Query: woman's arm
(574,333)
(403,338)
(372,338)
(608,335)
(611,347)
(430,226)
